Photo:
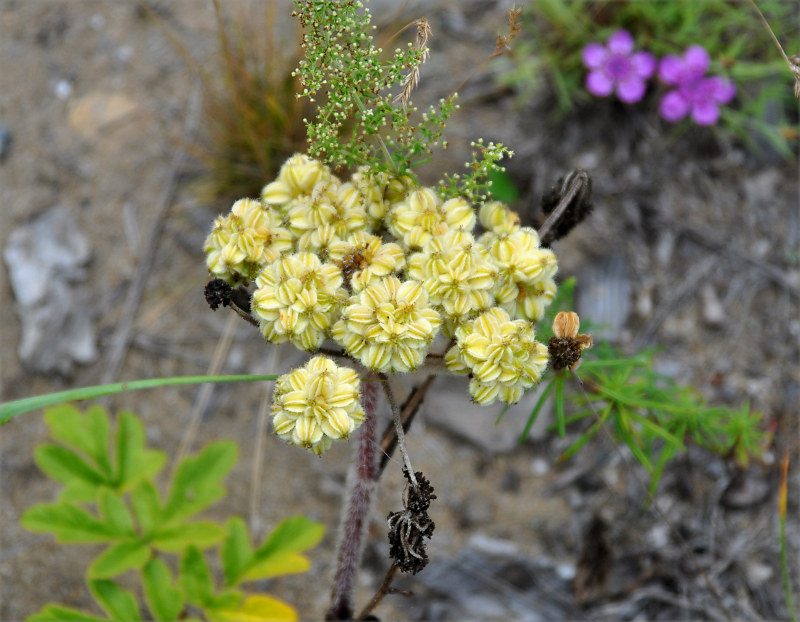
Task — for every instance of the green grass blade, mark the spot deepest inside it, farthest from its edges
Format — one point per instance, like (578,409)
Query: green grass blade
(9,410)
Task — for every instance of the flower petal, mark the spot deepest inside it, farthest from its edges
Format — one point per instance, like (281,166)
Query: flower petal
(697,60)
(644,64)
(594,55)
(671,69)
(705,112)
(720,89)
(598,84)
(631,91)
(621,42)
(673,107)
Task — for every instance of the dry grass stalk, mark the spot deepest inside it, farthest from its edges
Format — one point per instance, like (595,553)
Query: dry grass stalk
(420,43)
(503,43)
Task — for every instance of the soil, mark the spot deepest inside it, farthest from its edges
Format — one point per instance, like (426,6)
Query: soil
(693,247)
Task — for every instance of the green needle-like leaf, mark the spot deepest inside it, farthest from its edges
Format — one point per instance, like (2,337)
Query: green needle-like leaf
(9,410)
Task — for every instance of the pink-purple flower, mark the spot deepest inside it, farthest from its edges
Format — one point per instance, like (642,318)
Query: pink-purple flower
(616,68)
(694,93)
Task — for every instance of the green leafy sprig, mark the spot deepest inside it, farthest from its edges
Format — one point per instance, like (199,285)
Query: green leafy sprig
(110,497)
(361,120)
(648,411)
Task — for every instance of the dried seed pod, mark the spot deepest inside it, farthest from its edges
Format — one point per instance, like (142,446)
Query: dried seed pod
(566,324)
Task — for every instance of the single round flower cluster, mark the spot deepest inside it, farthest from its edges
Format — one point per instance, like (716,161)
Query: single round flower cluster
(317,404)
(501,354)
(380,265)
(244,241)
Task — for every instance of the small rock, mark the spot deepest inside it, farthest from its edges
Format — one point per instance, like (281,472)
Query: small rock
(97,111)
(758,573)
(713,312)
(62,89)
(540,467)
(494,547)
(46,262)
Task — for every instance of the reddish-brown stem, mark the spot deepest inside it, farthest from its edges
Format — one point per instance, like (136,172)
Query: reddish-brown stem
(361,484)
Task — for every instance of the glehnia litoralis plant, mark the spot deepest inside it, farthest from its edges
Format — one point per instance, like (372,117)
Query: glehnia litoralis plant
(345,247)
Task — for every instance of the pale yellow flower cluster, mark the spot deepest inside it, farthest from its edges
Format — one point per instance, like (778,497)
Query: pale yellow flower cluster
(458,275)
(501,354)
(317,404)
(525,271)
(244,241)
(297,299)
(422,215)
(388,326)
(380,265)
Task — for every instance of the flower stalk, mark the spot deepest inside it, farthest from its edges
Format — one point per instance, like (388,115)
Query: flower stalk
(361,484)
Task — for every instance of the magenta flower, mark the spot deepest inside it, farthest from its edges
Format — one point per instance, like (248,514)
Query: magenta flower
(695,95)
(615,67)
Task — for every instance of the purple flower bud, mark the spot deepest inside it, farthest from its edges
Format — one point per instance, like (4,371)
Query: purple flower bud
(615,68)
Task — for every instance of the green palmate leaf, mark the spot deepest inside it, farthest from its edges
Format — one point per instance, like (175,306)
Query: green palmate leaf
(146,507)
(236,552)
(176,538)
(195,578)
(119,558)
(65,466)
(117,603)
(164,600)
(67,522)
(280,552)
(115,513)
(197,481)
(9,410)
(57,613)
(257,607)
(134,462)
(88,433)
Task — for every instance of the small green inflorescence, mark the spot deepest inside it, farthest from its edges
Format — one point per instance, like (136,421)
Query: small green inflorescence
(377,262)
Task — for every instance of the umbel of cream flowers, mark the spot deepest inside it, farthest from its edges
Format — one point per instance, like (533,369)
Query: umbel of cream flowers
(317,404)
(380,265)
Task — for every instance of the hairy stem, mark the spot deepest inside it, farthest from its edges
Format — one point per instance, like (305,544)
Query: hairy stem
(361,484)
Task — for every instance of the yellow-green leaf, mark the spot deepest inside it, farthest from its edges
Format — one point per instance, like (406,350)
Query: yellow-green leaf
(119,558)
(256,608)
(290,563)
